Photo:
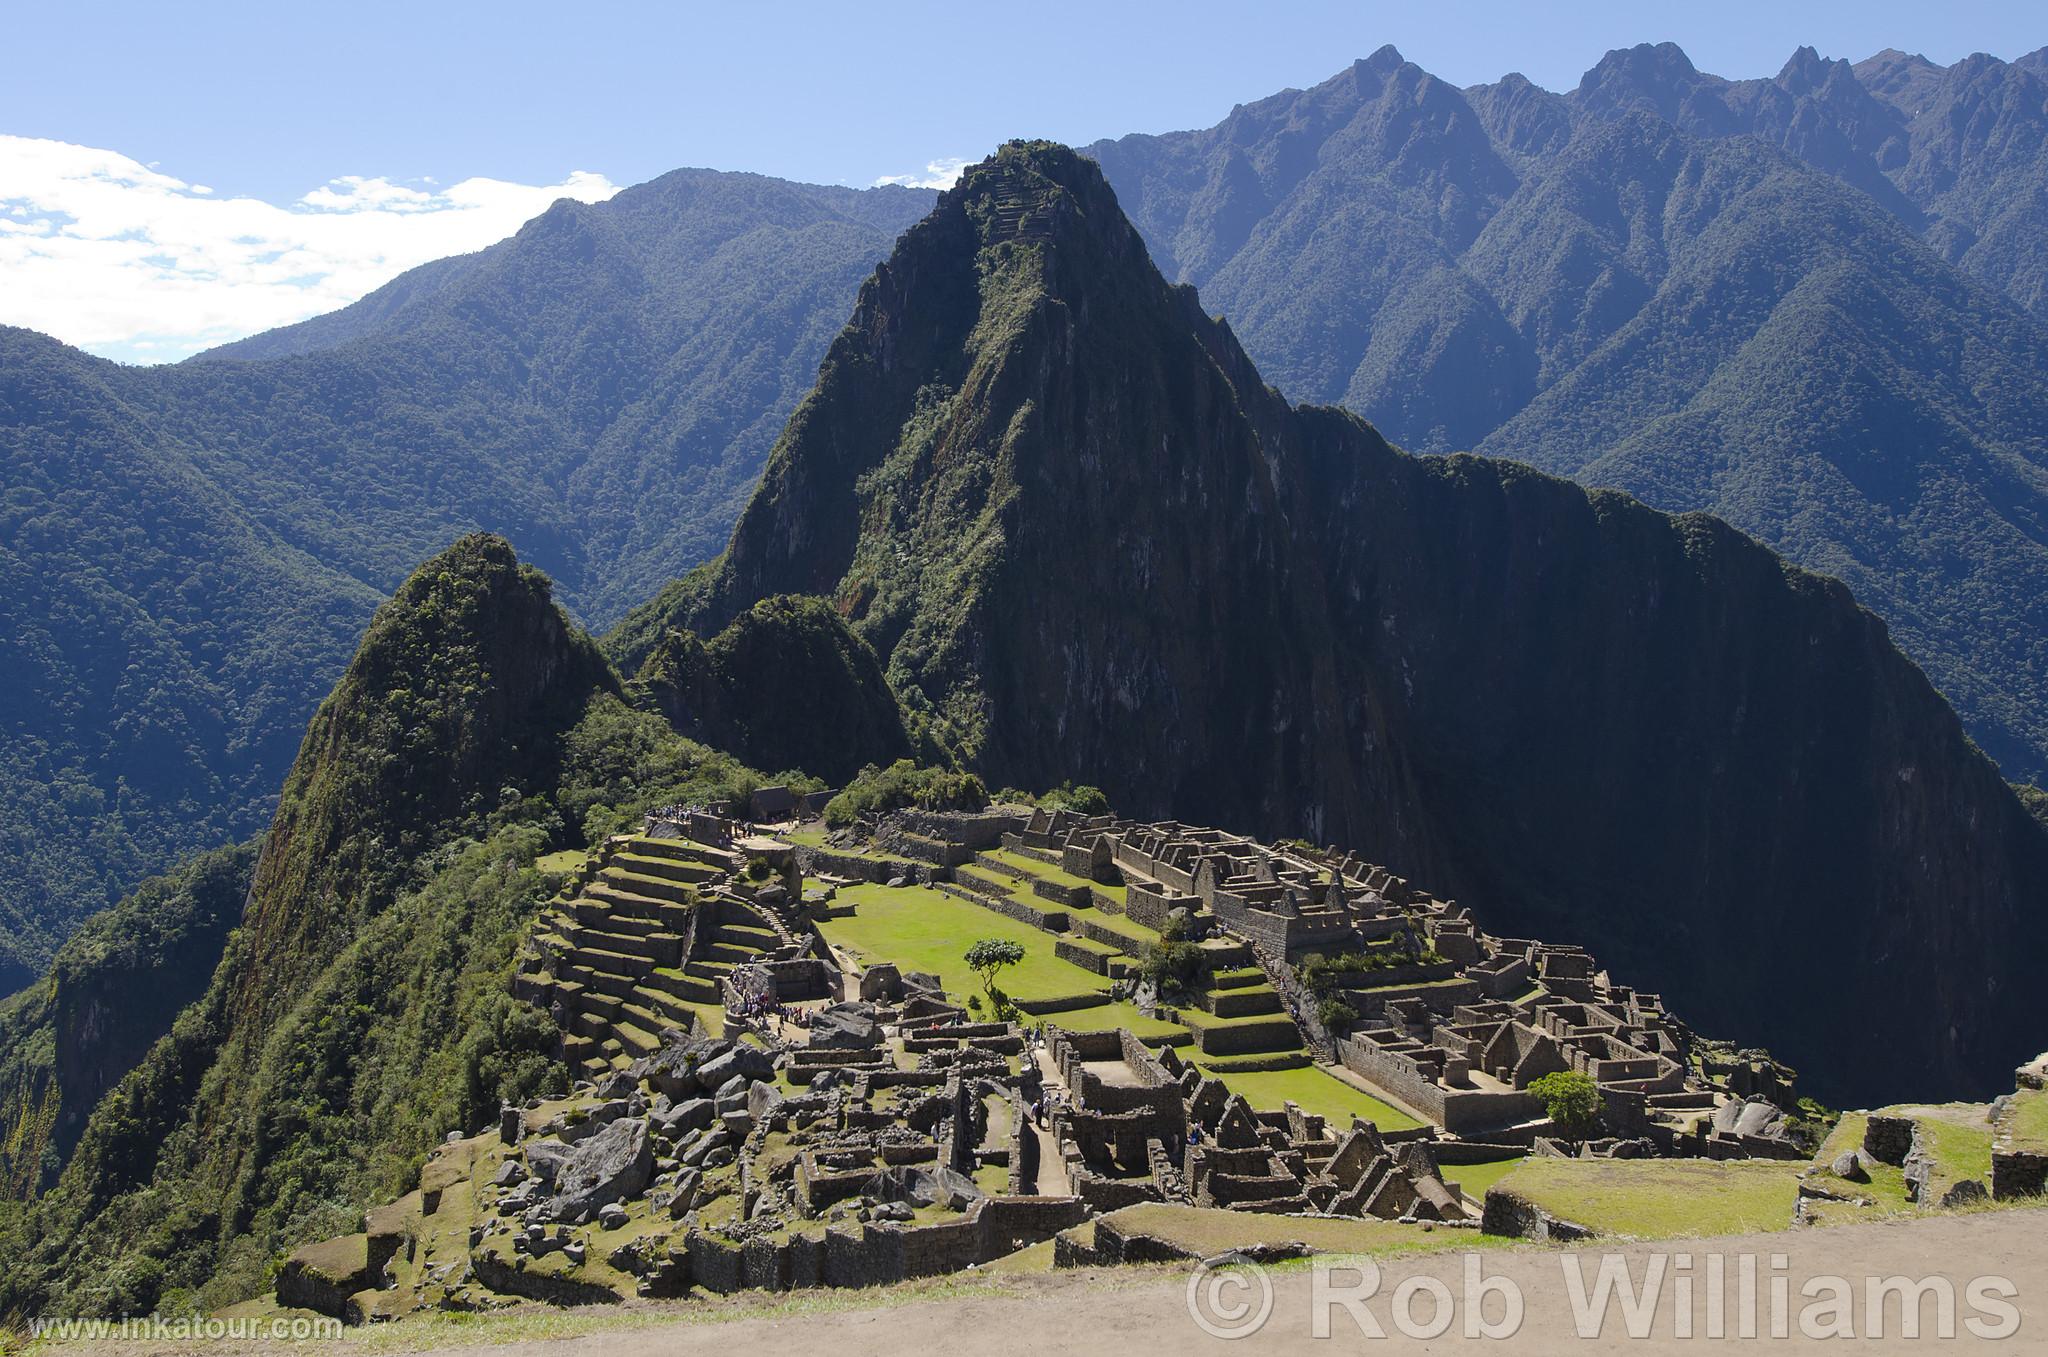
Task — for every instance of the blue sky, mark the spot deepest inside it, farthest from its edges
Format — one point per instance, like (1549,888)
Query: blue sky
(268,104)
(270,99)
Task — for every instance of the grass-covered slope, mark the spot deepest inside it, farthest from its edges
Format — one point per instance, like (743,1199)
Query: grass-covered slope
(1090,543)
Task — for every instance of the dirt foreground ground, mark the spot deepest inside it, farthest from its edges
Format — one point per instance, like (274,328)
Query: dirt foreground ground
(1829,1285)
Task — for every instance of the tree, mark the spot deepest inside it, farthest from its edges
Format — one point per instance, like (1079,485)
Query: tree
(1571,1099)
(988,957)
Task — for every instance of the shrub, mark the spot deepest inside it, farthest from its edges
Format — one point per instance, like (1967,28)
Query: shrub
(1336,1015)
(1571,1099)
(904,783)
(1173,966)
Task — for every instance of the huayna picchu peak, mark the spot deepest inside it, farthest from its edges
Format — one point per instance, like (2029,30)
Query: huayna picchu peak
(1088,541)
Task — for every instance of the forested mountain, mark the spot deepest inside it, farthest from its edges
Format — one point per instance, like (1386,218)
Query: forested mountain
(364,1006)
(1798,303)
(1089,541)
(187,554)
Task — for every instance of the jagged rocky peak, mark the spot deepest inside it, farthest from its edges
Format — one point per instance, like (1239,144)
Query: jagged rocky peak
(1656,76)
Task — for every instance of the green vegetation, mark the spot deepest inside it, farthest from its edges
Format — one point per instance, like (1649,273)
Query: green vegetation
(1316,1090)
(988,958)
(1321,973)
(786,684)
(363,1010)
(1571,1100)
(1082,800)
(2028,1120)
(924,930)
(1174,966)
(904,783)
(190,552)
(1660,1198)
(1107,1017)
(1474,1179)
(114,989)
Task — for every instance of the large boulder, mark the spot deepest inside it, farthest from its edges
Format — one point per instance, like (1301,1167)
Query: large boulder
(921,1186)
(748,1062)
(673,1070)
(544,1158)
(612,1165)
(694,1115)
(846,1027)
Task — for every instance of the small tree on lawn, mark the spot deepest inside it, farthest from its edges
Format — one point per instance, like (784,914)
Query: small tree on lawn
(1571,1099)
(988,957)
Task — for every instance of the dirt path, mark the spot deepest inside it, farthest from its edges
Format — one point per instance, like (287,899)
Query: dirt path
(1146,1311)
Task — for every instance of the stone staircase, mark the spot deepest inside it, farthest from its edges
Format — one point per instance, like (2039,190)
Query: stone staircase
(641,943)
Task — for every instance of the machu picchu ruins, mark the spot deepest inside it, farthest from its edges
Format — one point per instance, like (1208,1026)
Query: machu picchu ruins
(787,1076)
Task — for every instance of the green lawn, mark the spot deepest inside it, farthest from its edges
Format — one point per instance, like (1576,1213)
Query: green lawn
(1033,867)
(1661,1198)
(2028,1120)
(566,861)
(1120,924)
(1961,1150)
(1205,1231)
(1107,1016)
(924,930)
(1476,1178)
(1315,1090)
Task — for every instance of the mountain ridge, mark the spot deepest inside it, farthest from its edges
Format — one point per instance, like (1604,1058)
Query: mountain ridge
(1043,514)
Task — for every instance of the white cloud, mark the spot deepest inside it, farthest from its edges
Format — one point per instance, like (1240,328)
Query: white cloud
(118,258)
(938,173)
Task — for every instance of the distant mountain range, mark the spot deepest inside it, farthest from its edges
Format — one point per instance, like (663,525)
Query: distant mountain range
(1810,305)
(1801,304)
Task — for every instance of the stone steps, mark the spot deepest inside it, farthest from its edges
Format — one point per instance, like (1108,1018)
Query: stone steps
(1243,1003)
(1241,978)
(621,903)
(666,1008)
(659,949)
(668,869)
(655,888)
(599,982)
(746,935)
(593,914)
(732,953)
(683,850)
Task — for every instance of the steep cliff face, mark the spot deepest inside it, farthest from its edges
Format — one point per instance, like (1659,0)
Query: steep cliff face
(1089,542)
(112,991)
